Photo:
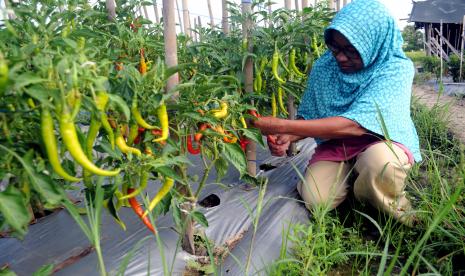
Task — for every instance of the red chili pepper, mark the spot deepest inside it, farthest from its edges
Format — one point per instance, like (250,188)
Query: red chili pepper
(199,134)
(254,113)
(244,142)
(139,211)
(190,147)
(140,131)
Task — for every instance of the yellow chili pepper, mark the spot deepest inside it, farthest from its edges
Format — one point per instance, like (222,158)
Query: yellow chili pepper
(144,179)
(244,124)
(222,112)
(121,144)
(274,109)
(71,141)
(274,67)
(164,123)
(142,64)
(280,100)
(293,65)
(138,117)
(164,190)
(51,147)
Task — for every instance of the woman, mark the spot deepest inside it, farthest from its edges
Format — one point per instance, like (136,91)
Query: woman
(357,106)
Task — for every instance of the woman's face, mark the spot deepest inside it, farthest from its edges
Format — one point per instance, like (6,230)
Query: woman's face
(346,55)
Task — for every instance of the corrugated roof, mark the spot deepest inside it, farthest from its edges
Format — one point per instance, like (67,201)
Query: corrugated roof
(433,11)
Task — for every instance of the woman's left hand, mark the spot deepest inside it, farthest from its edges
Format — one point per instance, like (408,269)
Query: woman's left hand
(269,125)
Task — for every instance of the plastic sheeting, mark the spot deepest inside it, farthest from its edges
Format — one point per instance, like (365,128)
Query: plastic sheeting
(57,237)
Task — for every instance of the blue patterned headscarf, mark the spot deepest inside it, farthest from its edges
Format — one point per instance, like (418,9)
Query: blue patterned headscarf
(383,86)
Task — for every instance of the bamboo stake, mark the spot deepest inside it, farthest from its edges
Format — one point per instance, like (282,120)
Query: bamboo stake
(171,59)
(224,20)
(440,48)
(270,12)
(11,13)
(461,50)
(304,4)
(179,15)
(251,151)
(146,13)
(296,3)
(196,27)
(199,22)
(185,17)
(155,9)
(212,21)
(111,8)
(288,4)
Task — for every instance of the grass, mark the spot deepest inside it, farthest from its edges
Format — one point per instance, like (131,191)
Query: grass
(343,242)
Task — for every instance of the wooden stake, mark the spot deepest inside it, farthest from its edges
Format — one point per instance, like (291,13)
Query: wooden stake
(224,21)
(155,9)
(440,48)
(296,3)
(288,4)
(111,8)
(179,15)
(145,12)
(186,19)
(304,4)
(171,59)
(461,50)
(270,11)
(251,150)
(212,21)
(169,33)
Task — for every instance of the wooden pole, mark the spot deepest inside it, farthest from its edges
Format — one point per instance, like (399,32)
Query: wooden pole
(171,59)
(196,27)
(440,48)
(224,20)
(179,15)
(185,17)
(111,8)
(288,4)
(290,101)
(155,10)
(212,21)
(304,4)
(270,12)
(146,13)
(461,50)
(296,4)
(251,151)
(199,22)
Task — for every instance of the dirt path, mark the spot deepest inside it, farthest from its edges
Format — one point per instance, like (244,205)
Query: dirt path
(428,96)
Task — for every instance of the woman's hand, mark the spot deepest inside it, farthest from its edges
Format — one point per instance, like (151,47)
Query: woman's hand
(269,125)
(279,144)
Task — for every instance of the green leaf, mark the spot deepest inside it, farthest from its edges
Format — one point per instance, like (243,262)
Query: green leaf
(14,210)
(44,270)
(221,167)
(234,154)
(169,172)
(43,184)
(5,271)
(200,218)
(41,94)
(27,79)
(121,103)
(255,135)
(176,214)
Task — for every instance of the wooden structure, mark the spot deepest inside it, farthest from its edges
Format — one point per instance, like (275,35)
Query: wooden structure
(430,15)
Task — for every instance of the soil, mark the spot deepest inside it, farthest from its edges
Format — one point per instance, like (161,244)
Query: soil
(428,96)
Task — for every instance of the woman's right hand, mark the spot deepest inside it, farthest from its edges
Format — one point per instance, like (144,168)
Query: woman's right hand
(279,143)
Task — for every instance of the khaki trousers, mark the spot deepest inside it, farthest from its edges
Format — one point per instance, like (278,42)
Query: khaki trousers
(382,169)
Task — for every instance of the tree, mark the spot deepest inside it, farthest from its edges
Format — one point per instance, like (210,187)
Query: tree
(413,39)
